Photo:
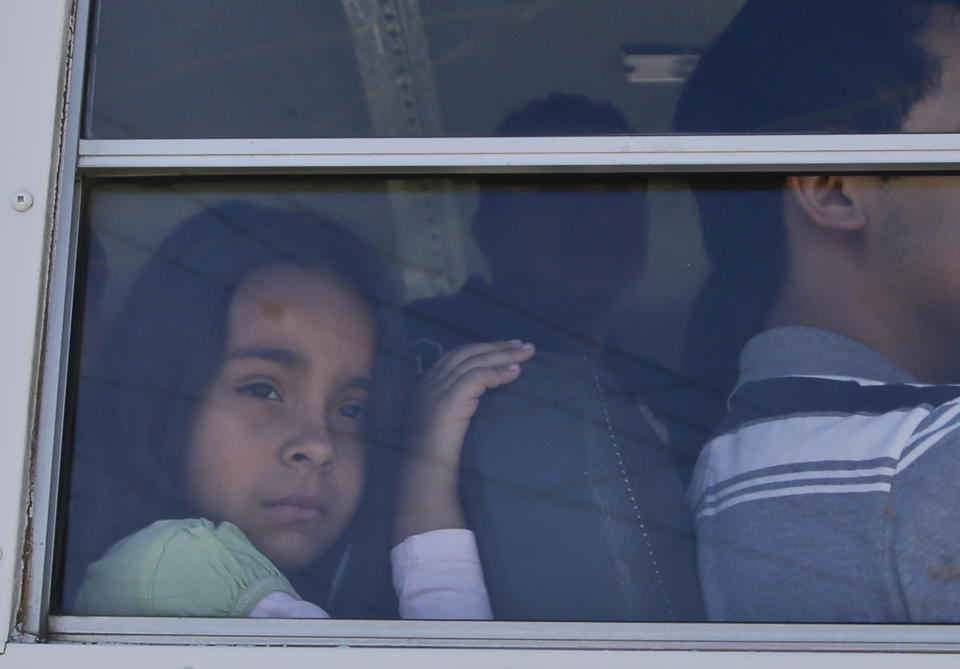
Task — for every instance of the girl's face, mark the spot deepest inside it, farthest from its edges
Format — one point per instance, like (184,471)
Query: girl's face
(277,447)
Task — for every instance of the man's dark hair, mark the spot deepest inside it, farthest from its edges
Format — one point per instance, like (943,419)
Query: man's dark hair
(812,66)
(844,66)
(138,401)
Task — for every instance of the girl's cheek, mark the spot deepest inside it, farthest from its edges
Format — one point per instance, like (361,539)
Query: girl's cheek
(353,450)
(359,471)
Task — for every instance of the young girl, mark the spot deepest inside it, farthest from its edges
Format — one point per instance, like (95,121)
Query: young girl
(235,447)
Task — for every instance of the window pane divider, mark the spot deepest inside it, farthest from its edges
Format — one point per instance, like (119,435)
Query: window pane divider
(554,635)
(676,153)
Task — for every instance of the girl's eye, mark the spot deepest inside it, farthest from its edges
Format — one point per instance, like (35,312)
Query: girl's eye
(260,390)
(355,412)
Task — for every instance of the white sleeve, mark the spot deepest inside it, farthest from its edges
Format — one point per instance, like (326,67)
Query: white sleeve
(280,604)
(437,576)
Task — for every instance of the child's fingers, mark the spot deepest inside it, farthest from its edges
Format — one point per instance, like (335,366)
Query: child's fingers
(450,396)
(451,359)
(497,359)
(467,388)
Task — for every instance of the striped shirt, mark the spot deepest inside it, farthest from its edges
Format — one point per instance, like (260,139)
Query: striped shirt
(832,490)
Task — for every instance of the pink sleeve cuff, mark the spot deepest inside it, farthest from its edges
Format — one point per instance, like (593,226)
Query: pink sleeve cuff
(437,576)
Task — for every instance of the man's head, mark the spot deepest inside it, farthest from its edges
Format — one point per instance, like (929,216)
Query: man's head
(813,66)
(563,250)
(866,256)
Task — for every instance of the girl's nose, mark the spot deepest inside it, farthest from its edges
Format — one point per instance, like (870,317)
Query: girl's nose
(313,447)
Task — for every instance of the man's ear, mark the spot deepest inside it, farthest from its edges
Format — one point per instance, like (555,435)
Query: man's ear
(830,201)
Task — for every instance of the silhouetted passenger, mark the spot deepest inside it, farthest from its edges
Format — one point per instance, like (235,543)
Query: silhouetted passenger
(569,484)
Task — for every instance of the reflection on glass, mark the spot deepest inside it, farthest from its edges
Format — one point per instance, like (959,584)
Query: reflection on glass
(243,443)
(255,352)
(428,68)
(248,403)
(381,68)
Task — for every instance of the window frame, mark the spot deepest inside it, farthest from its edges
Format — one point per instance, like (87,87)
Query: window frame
(443,156)
(75,160)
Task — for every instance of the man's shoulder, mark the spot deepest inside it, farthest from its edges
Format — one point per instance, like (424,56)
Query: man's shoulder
(791,397)
(819,435)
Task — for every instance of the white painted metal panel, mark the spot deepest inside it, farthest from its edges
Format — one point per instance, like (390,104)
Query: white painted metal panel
(32,48)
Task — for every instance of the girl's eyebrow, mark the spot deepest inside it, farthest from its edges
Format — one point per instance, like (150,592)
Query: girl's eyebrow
(291,360)
(359,382)
(281,356)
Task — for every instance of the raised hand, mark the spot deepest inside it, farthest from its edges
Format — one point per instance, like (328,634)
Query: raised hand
(448,399)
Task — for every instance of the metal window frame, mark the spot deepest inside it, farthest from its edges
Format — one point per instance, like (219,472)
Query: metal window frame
(478,155)
(509,634)
(82,159)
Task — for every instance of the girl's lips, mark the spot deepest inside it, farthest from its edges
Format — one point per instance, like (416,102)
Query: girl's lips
(298,508)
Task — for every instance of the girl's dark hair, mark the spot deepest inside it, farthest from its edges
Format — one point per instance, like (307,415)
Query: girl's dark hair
(137,402)
(845,66)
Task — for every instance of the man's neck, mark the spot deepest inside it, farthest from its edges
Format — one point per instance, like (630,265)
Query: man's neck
(919,351)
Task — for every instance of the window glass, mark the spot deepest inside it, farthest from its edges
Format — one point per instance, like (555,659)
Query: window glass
(169,369)
(584,397)
(275,385)
(374,68)
(429,68)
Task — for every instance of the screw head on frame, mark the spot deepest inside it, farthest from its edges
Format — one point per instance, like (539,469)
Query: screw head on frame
(21,200)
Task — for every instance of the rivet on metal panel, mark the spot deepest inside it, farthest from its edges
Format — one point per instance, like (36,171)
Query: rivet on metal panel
(21,200)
